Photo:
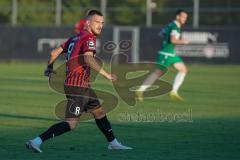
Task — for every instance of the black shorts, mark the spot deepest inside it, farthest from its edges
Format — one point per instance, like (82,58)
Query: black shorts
(80,100)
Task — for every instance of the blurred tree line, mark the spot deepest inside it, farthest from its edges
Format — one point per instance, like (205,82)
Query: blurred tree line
(121,12)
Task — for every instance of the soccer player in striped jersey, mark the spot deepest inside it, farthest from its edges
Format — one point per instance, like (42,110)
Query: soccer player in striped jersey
(80,53)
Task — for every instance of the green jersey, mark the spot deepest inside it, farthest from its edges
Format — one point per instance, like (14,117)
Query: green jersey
(172,29)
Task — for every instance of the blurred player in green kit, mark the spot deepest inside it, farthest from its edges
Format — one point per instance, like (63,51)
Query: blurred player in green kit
(167,57)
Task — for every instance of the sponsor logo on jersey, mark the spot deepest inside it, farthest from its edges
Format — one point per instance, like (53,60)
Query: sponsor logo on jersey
(91,45)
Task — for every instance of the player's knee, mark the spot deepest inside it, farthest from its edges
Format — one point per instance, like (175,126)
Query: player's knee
(158,72)
(185,70)
(99,113)
(72,124)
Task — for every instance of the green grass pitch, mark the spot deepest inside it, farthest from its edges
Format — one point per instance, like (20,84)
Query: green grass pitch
(211,130)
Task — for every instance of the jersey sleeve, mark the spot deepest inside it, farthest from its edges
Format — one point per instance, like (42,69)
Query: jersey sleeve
(64,46)
(89,45)
(175,32)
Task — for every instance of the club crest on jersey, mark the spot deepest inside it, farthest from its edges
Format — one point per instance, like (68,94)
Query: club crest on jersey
(91,45)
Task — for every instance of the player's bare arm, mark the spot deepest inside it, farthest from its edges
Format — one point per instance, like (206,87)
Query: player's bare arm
(175,40)
(91,61)
(53,56)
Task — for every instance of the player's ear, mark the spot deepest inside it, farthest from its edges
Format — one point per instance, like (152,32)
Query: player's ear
(177,17)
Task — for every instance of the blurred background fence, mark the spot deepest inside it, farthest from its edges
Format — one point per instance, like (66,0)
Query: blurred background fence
(121,12)
(29,29)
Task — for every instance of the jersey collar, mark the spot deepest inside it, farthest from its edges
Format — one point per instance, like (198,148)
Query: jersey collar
(177,23)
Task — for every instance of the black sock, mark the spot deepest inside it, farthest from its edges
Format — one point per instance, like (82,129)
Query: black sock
(104,125)
(55,130)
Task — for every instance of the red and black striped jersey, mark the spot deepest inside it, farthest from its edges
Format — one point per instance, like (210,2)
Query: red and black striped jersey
(77,71)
